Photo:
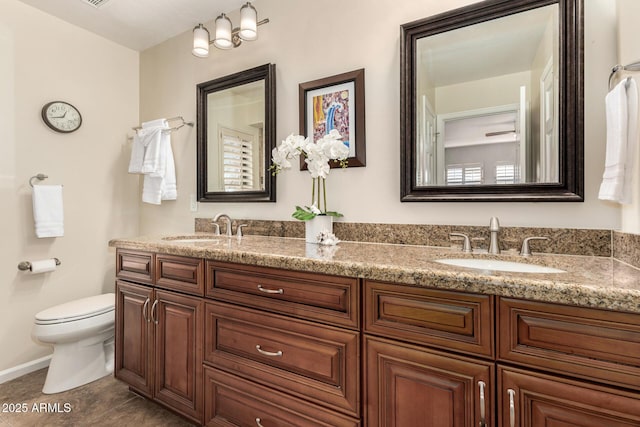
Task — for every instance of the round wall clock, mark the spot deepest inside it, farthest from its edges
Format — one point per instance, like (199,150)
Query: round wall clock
(61,116)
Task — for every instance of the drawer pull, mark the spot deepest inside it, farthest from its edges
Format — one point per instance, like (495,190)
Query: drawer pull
(483,422)
(270,291)
(144,310)
(258,422)
(512,408)
(268,353)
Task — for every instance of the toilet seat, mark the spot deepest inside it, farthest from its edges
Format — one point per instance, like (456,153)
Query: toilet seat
(72,311)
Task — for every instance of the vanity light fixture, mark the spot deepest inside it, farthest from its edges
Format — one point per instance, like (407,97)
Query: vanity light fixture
(227,37)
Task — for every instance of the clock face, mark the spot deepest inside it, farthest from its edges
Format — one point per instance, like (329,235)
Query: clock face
(61,116)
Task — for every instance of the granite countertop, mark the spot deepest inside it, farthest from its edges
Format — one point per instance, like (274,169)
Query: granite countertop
(598,282)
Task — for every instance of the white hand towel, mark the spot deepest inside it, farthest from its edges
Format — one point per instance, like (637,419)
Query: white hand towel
(155,123)
(161,183)
(622,139)
(169,187)
(48,211)
(150,133)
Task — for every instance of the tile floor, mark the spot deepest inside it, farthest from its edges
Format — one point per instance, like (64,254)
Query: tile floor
(105,403)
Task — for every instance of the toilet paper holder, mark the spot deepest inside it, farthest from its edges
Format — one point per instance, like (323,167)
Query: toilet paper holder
(26,265)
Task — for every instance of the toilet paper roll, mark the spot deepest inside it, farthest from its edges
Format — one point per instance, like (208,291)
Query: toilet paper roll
(43,266)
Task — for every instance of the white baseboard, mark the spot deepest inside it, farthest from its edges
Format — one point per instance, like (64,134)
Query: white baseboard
(24,369)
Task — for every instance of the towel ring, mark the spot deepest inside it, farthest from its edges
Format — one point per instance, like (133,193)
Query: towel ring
(39,177)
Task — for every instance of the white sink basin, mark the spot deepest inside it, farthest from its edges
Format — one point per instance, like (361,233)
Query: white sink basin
(497,265)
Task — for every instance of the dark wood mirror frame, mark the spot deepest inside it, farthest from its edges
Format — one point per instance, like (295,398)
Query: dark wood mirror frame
(267,73)
(570,187)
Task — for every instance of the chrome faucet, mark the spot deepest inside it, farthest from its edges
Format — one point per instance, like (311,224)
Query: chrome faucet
(526,251)
(466,242)
(227,219)
(494,228)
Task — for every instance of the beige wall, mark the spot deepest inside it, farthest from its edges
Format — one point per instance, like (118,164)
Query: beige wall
(628,52)
(307,41)
(44,59)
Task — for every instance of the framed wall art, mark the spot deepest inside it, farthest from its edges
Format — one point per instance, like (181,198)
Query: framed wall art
(335,102)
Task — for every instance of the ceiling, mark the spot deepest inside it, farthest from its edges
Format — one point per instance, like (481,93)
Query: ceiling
(492,48)
(137,24)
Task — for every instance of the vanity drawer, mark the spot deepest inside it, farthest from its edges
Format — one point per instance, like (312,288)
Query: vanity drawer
(135,266)
(328,299)
(450,320)
(315,362)
(589,343)
(231,400)
(180,273)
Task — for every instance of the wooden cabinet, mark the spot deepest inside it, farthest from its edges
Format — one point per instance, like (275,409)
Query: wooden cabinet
(566,361)
(134,336)
(275,339)
(418,385)
(178,352)
(531,399)
(327,299)
(596,345)
(159,344)
(457,321)
(556,365)
(407,386)
(238,345)
(314,362)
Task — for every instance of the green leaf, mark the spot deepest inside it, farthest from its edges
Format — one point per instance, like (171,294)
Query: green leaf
(303,214)
(333,213)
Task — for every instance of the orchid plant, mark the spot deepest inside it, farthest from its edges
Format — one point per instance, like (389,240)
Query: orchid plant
(317,157)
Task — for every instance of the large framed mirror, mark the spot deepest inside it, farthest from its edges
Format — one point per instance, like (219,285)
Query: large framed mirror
(492,103)
(236,133)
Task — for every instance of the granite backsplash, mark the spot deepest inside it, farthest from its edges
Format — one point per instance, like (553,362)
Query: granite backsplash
(590,242)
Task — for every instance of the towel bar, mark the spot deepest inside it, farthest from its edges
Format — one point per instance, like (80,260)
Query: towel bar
(634,66)
(184,122)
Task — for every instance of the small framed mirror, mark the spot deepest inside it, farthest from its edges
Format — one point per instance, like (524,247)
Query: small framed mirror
(492,103)
(236,133)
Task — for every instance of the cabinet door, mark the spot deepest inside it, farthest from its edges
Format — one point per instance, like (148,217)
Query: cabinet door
(134,336)
(178,339)
(408,386)
(528,399)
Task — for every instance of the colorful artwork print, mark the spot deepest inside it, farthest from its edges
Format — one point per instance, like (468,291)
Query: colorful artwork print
(331,111)
(335,103)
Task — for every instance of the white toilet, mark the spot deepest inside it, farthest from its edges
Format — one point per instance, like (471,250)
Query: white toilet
(82,335)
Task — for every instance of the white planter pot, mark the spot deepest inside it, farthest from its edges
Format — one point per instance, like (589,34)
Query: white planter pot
(315,226)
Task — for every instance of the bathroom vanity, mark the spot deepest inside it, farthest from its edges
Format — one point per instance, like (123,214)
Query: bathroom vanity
(267,331)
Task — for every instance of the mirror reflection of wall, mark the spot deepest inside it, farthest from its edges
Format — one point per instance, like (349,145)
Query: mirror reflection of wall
(235,136)
(481,149)
(468,78)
